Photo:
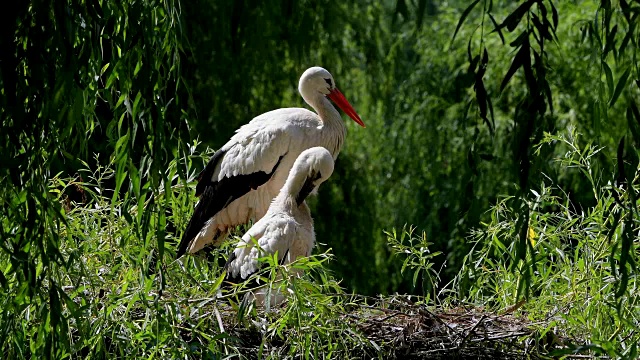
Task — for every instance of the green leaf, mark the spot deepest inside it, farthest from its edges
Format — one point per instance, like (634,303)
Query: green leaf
(520,39)
(542,27)
(138,67)
(415,277)
(621,84)
(496,27)
(141,211)
(512,21)
(627,38)
(620,160)
(104,68)
(518,61)
(464,15)
(219,280)
(135,106)
(609,75)
(610,42)
(20,199)
(111,79)
(492,126)
(626,242)
(573,349)
(485,59)
(554,15)
(473,64)
(481,97)
(633,124)
(120,100)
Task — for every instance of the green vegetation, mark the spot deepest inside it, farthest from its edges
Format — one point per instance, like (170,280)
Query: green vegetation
(578,283)
(502,138)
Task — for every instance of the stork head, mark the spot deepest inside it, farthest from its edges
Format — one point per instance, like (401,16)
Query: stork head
(317,81)
(312,167)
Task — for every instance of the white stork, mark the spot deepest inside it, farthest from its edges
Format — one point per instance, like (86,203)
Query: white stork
(242,178)
(287,226)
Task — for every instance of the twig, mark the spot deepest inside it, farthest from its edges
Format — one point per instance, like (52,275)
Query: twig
(381,320)
(471,331)
(513,308)
(492,338)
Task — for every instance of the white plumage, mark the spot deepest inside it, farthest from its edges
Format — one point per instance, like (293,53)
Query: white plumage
(242,178)
(287,226)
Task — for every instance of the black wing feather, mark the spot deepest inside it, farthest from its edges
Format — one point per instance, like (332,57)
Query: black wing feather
(206,175)
(216,195)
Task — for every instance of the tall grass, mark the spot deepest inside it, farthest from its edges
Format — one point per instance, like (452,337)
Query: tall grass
(577,287)
(117,301)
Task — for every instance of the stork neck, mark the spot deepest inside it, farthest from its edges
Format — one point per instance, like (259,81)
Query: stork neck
(290,190)
(329,115)
(287,200)
(334,129)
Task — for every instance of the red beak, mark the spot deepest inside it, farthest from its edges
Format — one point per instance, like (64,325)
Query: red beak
(336,96)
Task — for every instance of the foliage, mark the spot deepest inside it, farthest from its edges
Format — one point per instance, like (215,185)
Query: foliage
(118,306)
(418,258)
(77,79)
(117,302)
(537,25)
(582,286)
(101,103)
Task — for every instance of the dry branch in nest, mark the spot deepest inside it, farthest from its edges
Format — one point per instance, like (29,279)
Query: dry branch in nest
(395,327)
(411,331)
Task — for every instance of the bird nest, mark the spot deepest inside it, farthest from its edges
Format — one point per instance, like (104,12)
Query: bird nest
(396,327)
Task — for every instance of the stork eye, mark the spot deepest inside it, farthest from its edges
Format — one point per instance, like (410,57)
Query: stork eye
(329,82)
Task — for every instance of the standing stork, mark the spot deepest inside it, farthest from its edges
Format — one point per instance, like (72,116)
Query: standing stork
(287,227)
(242,178)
